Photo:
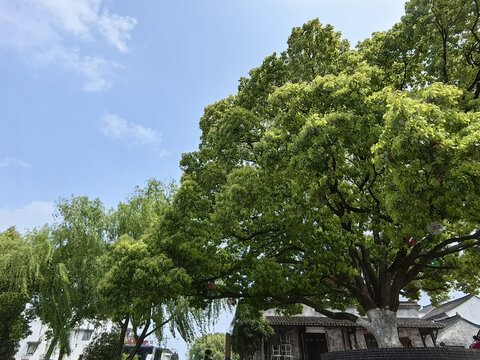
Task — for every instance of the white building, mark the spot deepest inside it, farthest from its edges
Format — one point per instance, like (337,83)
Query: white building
(460,317)
(35,346)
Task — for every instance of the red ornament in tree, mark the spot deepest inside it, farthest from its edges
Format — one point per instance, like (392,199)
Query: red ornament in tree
(410,241)
(211,285)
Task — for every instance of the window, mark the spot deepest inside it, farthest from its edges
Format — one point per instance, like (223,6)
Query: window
(87,334)
(32,347)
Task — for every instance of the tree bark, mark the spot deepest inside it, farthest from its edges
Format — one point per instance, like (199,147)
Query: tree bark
(139,341)
(121,340)
(382,323)
(61,354)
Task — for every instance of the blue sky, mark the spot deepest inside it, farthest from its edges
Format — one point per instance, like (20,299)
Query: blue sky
(97,96)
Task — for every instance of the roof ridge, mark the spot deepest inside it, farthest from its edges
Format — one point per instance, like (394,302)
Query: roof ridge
(443,308)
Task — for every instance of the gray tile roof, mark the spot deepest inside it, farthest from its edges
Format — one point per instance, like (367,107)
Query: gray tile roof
(439,311)
(327,322)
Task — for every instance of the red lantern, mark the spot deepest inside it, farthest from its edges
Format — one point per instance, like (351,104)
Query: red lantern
(211,285)
(410,241)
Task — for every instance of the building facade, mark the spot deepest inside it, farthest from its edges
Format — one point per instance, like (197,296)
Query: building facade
(310,334)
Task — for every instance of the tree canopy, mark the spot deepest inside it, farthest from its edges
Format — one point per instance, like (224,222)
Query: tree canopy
(337,176)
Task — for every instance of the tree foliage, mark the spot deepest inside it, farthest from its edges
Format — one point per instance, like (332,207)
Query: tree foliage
(213,342)
(18,272)
(102,347)
(140,285)
(71,251)
(250,329)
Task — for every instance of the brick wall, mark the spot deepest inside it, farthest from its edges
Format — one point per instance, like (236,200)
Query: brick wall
(405,354)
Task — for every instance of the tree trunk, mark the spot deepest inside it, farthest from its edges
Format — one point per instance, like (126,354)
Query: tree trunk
(139,341)
(49,353)
(121,340)
(60,356)
(382,323)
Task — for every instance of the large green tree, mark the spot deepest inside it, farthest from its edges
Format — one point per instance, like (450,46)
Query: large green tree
(332,180)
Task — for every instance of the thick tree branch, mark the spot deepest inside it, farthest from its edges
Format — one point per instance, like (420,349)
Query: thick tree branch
(433,253)
(369,273)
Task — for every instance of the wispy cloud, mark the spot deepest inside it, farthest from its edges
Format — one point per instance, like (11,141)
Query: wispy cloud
(33,214)
(60,32)
(117,128)
(8,161)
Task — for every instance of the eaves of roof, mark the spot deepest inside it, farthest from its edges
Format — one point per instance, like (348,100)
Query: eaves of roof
(453,319)
(319,321)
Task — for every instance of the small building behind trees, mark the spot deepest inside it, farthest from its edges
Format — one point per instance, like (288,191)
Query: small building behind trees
(460,317)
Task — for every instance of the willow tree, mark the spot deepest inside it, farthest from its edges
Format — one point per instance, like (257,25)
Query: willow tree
(19,271)
(140,286)
(70,270)
(324,181)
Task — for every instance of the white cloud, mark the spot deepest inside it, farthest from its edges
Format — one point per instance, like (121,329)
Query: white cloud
(33,214)
(116,29)
(115,127)
(11,161)
(59,33)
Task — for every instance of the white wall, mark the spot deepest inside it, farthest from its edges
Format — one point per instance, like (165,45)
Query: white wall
(409,312)
(458,334)
(469,310)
